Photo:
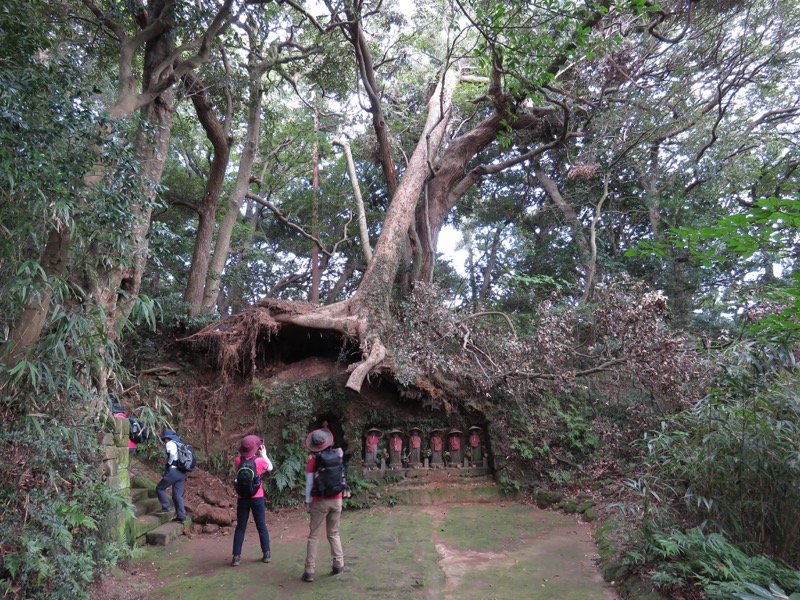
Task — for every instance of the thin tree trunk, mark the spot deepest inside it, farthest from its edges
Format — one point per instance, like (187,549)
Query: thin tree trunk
(347,273)
(236,197)
(491,260)
(154,103)
(363,229)
(570,216)
(313,296)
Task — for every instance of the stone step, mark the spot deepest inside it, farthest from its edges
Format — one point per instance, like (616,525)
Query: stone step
(147,523)
(146,506)
(166,533)
(140,481)
(140,494)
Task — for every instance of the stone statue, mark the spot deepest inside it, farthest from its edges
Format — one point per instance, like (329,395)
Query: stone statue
(415,446)
(395,448)
(475,445)
(436,447)
(371,450)
(454,445)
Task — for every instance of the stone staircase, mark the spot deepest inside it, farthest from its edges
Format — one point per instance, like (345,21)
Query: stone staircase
(148,527)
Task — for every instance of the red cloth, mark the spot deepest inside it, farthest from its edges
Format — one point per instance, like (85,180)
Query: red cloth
(436,442)
(261,466)
(372,442)
(397,443)
(310,468)
(455,442)
(416,441)
(474,440)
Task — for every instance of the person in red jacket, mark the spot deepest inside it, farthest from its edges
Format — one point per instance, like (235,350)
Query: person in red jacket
(252,446)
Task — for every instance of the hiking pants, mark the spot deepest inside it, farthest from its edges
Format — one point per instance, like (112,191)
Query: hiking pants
(327,512)
(177,479)
(243,508)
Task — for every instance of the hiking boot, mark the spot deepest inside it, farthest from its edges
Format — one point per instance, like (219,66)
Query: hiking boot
(179,520)
(337,570)
(236,561)
(308,577)
(267,556)
(163,511)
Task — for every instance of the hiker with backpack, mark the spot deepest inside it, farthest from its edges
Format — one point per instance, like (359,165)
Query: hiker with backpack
(175,470)
(324,487)
(250,464)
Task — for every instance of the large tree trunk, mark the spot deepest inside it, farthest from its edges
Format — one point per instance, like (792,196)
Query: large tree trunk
(116,292)
(443,194)
(207,210)
(381,272)
(362,316)
(28,326)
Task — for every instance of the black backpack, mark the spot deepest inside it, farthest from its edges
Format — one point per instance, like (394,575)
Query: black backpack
(139,433)
(186,460)
(328,470)
(247,479)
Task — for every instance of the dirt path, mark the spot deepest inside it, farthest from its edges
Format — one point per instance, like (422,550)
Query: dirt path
(447,552)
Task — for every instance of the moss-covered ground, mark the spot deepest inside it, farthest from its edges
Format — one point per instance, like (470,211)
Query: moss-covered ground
(447,551)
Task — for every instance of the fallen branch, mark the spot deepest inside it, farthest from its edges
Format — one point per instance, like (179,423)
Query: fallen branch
(161,369)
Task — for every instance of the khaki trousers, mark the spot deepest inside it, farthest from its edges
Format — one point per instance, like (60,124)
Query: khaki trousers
(327,512)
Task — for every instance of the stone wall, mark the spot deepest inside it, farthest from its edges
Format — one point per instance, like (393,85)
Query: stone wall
(116,463)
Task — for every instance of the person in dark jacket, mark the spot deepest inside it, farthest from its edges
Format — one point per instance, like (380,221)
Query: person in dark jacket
(173,477)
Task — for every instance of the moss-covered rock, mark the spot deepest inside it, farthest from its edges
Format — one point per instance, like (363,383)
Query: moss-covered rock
(590,514)
(546,498)
(569,506)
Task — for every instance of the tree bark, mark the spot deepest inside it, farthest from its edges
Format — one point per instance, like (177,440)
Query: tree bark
(363,229)
(207,210)
(236,197)
(570,216)
(28,326)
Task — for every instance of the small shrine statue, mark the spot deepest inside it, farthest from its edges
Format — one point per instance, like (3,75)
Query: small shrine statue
(395,448)
(475,445)
(436,447)
(454,444)
(415,447)
(371,451)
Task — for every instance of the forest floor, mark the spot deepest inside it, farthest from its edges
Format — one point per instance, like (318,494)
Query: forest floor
(501,550)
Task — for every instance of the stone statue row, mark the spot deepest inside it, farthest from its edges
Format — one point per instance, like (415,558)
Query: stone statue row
(414,450)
